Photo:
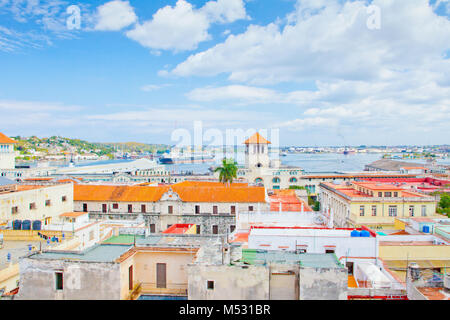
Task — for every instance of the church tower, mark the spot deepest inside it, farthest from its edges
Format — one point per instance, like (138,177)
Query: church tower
(257,152)
(7,154)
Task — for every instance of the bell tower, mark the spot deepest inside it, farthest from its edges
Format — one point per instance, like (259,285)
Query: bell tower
(257,152)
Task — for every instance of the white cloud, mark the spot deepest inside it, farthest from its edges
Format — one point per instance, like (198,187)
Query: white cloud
(232,92)
(183,27)
(328,44)
(115,15)
(225,11)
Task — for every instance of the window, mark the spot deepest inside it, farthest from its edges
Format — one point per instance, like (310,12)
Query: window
(64,199)
(301,250)
(233,210)
(115,206)
(276,180)
(130,208)
(152,228)
(197,229)
(411,211)
(329,251)
(293,180)
(85,208)
(170,209)
(374,211)
(59,281)
(169,225)
(48,203)
(388,194)
(232,228)
(33,206)
(14,210)
(143,208)
(210,285)
(361,211)
(197,209)
(380,194)
(395,194)
(250,208)
(104,208)
(215,229)
(424,211)
(215,210)
(392,211)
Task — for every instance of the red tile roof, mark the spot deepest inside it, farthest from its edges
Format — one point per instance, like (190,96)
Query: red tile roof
(5,139)
(192,191)
(257,139)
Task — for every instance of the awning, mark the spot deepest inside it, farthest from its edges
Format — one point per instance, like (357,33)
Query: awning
(423,264)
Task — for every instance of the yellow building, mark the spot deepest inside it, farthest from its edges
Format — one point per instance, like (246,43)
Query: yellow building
(373,204)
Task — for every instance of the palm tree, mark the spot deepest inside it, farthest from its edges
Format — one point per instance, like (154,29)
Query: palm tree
(228,171)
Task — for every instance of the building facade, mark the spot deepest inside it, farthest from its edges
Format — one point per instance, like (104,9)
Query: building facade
(372,204)
(7,154)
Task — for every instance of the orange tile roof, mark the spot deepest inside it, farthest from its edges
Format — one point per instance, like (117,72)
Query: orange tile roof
(188,192)
(5,139)
(289,202)
(26,187)
(178,229)
(257,139)
(377,186)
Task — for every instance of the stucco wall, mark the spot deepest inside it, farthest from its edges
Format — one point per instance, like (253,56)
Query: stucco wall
(230,282)
(82,280)
(323,284)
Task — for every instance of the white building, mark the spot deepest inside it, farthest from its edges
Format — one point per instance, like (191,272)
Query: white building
(7,154)
(34,202)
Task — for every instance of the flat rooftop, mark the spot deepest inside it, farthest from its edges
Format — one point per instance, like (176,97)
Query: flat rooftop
(98,253)
(300,232)
(314,260)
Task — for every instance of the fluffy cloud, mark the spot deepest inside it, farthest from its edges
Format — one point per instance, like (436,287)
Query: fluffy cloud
(115,15)
(182,27)
(328,43)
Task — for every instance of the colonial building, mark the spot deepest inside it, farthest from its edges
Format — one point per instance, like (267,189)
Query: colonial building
(211,206)
(7,154)
(372,204)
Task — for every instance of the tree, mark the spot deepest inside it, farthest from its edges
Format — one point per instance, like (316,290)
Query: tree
(444,204)
(228,171)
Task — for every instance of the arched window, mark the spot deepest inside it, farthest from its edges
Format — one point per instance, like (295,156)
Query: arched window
(293,180)
(258,180)
(276,180)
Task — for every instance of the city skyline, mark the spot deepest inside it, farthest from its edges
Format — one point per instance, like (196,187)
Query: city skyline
(324,72)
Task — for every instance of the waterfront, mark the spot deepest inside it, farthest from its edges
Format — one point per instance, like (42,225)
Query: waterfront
(310,162)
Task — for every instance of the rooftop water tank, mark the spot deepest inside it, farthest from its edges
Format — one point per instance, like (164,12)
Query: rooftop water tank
(17,225)
(365,234)
(37,225)
(426,229)
(355,233)
(26,225)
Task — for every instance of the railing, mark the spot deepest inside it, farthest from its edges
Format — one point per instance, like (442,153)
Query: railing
(180,289)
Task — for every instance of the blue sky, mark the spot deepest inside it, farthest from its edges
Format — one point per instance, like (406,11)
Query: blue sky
(323,72)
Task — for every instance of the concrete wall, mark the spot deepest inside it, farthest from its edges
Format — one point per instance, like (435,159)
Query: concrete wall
(230,282)
(82,280)
(323,284)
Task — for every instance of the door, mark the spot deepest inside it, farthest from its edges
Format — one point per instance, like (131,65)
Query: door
(215,210)
(130,278)
(161,275)
(283,286)
(215,229)
(84,207)
(130,208)
(143,208)
(104,208)
(233,210)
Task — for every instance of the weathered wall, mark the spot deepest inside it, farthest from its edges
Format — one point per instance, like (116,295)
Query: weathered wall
(230,282)
(82,280)
(323,284)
